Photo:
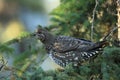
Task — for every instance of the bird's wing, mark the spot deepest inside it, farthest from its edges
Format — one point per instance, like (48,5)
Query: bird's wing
(65,44)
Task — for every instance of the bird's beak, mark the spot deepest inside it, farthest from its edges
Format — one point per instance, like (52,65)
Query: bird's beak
(34,34)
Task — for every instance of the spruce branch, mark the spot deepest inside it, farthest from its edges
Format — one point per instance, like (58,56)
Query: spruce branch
(93,18)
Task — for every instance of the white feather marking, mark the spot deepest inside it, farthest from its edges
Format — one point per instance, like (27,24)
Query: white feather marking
(96,51)
(90,54)
(93,53)
(76,58)
(75,64)
(63,64)
(70,59)
(85,53)
(73,54)
(50,55)
(66,62)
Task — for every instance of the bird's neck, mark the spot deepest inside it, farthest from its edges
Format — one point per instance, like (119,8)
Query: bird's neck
(49,43)
(49,40)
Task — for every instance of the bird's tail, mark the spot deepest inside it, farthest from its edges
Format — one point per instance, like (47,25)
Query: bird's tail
(98,47)
(104,42)
(95,50)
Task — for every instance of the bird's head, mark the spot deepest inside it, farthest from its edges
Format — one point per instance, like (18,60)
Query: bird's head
(43,35)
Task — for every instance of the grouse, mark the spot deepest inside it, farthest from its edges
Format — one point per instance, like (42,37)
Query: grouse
(65,49)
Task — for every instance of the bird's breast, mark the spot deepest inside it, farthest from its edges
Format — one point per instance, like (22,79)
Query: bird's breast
(64,59)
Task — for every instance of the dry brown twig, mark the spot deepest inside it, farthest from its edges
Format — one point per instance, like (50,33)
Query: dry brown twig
(93,18)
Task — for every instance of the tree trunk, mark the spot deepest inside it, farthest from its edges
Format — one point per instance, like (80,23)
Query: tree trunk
(118,14)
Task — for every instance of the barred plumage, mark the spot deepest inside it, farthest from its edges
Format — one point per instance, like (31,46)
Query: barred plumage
(64,50)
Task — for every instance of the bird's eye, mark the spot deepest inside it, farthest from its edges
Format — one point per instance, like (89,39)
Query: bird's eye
(39,31)
(41,37)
